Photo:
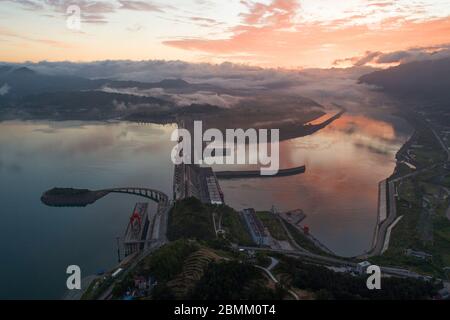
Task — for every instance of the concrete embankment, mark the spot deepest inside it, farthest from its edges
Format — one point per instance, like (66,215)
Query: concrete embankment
(382,210)
(257,173)
(387,219)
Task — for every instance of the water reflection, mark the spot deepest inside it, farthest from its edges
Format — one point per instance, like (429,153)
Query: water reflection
(344,163)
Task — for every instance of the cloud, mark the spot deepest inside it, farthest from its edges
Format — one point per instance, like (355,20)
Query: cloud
(139,6)
(205,22)
(367,58)
(229,81)
(180,99)
(415,54)
(53,43)
(279,13)
(135,27)
(27,4)
(226,75)
(269,33)
(380,4)
(398,57)
(91,11)
(279,34)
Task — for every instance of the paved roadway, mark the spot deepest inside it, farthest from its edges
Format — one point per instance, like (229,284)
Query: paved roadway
(106,295)
(327,260)
(160,239)
(305,253)
(269,273)
(443,145)
(383,227)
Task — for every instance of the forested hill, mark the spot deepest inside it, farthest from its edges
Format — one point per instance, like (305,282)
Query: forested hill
(425,79)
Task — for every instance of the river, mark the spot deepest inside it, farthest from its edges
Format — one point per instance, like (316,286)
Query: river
(344,163)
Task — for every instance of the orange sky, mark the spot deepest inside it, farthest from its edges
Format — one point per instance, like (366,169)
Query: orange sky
(272,33)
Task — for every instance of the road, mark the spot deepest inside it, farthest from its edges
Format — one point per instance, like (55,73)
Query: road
(161,218)
(327,260)
(443,145)
(383,227)
(305,253)
(268,271)
(106,295)
(271,276)
(291,238)
(273,263)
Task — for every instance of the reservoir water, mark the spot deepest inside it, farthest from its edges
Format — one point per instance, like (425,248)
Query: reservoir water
(37,242)
(339,190)
(344,163)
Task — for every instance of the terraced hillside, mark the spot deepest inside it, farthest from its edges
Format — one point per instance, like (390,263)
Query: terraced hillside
(193,270)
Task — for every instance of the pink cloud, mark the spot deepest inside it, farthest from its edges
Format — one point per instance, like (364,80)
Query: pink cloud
(270,33)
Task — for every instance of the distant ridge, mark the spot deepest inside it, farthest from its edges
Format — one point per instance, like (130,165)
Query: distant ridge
(427,79)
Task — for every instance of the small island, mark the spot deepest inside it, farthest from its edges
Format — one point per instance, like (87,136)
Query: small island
(70,197)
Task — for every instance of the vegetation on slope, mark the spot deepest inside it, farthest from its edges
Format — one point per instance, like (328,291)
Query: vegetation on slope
(190,219)
(272,223)
(422,204)
(234,226)
(328,284)
(232,280)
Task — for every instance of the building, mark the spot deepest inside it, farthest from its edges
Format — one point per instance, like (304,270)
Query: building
(191,180)
(211,188)
(361,267)
(186,181)
(294,217)
(255,227)
(137,229)
(418,254)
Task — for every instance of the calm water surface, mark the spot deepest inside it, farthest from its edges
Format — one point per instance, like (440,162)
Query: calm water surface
(37,242)
(338,192)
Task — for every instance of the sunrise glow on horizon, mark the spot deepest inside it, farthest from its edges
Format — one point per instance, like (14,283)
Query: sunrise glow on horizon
(269,33)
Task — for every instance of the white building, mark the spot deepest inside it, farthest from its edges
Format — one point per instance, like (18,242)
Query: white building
(361,267)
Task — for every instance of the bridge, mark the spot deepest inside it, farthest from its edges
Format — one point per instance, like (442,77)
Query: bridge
(69,197)
(152,194)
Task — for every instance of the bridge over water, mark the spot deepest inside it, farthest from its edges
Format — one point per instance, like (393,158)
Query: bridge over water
(152,194)
(69,197)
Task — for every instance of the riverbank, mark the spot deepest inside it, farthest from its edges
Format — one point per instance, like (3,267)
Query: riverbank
(420,241)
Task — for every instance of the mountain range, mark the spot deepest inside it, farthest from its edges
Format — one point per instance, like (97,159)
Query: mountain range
(429,79)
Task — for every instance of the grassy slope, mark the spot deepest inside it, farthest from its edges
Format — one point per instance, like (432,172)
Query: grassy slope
(190,219)
(273,224)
